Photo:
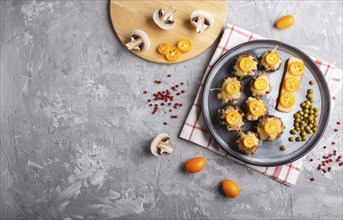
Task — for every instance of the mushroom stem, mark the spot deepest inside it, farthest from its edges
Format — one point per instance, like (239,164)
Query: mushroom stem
(168,14)
(134,44)
(164,146)
(200,27)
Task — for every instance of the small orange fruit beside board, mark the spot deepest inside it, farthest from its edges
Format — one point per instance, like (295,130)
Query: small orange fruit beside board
(284,22)
(195,165)
(294,72)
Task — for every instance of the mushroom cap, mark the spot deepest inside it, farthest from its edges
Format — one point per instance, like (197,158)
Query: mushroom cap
(145,38)
(202,13)
(156,141)
(160,23)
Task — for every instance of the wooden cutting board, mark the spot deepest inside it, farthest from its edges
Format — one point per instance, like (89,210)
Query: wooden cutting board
(130,15)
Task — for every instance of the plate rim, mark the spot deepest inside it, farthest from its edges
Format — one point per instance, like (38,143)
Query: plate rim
(206,115)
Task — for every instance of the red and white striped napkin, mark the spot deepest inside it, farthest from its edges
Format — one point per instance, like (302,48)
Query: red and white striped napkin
(195,130)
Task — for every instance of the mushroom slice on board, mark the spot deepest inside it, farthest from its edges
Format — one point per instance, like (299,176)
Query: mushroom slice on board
(202,20)
(139,41)
(161,144)
(164,18)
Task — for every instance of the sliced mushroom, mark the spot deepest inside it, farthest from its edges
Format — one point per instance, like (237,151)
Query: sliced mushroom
(139,41)
(161,144)
(202,20)
(164,19)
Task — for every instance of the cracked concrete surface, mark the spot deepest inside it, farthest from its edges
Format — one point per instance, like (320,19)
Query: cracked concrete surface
(75,127)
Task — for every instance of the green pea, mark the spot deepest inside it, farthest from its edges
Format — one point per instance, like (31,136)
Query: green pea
(312,100)
(310,132)
(310,125)
(310,91)
(315,124)
(298,139)
(302,128)
(315,110)
(305,115)
(312,82)
(283,148)
(291,139)
(314,129)
(311,107)
(303,138)
(293,131)
(315,114)
(309,96)
(301,113)
(297,129)
(307,128)
(311,111)
(306,111)
(302,105)
(308,102)
(296,115)
(297,120)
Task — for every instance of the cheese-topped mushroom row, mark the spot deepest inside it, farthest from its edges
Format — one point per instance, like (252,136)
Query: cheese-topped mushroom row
(246,64)
(231,89)
(233,116)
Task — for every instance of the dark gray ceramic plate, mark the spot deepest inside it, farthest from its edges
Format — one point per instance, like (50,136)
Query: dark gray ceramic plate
(269,153)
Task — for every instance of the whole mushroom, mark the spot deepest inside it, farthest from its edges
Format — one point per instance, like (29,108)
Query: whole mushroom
(202,20)
(160,144)
(164,18)
(139,41)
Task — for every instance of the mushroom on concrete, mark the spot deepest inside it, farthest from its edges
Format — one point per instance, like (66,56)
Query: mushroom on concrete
(164,19)
(202,20)
(161,144)
(139,41)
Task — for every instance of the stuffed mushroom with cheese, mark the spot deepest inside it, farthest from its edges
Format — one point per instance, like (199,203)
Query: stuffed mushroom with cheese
(245,66)
(231,117)
(255,108)
(230,91)
(270,61)
(260,86)
(248,142)
(270,128)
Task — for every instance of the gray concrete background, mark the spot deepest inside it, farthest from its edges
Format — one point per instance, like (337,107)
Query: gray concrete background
(75,127)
